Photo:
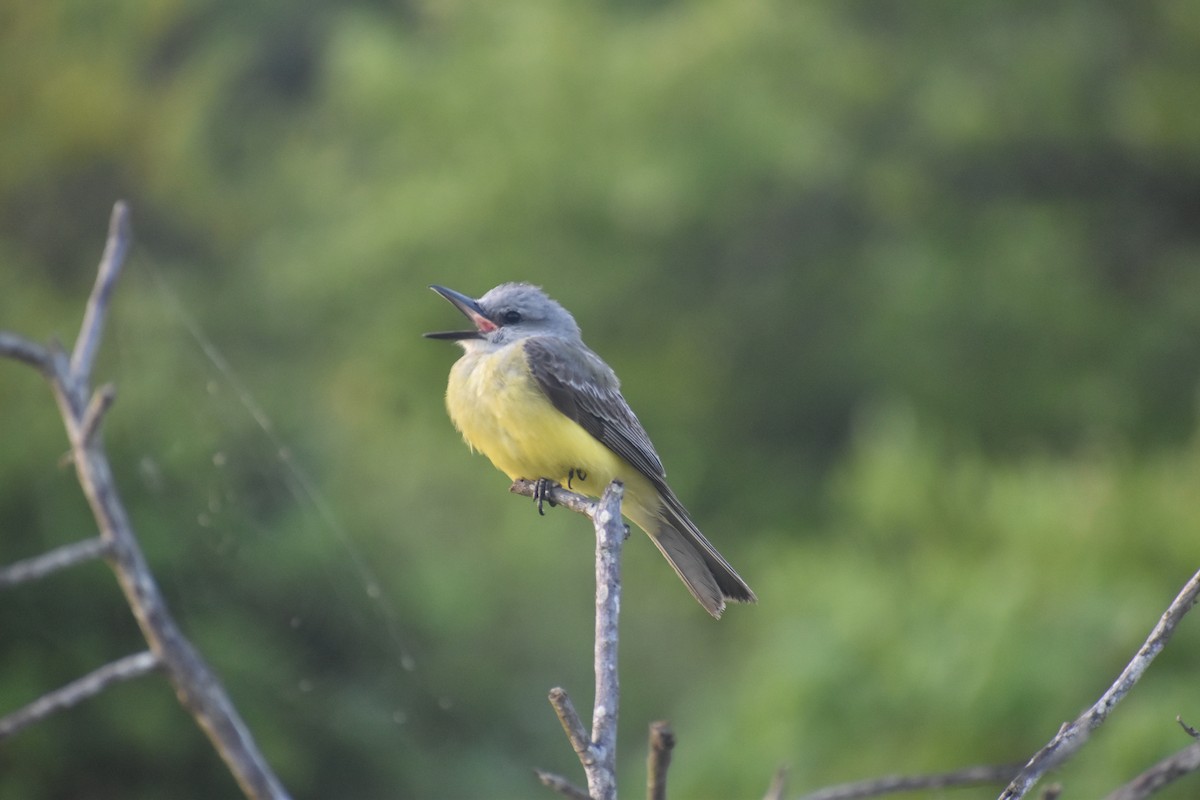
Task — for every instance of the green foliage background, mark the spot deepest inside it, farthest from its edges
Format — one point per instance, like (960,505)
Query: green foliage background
(906,294)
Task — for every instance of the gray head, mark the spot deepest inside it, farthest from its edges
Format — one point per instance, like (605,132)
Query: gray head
(508,313)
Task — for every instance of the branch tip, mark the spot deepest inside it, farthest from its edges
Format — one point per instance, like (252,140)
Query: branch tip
(572,725)
(102,400)
(115,249)
(1188,729)
(662,742)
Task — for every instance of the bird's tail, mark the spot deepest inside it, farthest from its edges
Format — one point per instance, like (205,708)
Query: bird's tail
(703,570)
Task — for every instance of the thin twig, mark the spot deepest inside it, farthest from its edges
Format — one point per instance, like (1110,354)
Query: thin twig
(561,785)
(75,692)
(662,742)
(115,248)
(97,407)
(1188,729)
(1167,771)
(572,724)
(1073,735)
(21,349)
(30,569)
(891,784)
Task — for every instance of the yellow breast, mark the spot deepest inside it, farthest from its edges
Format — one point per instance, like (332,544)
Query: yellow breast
(497,405)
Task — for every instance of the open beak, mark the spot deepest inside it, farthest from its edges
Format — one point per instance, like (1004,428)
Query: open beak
(470,309)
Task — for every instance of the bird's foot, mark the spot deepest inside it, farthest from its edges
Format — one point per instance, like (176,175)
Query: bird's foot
(541,493)
(574,473)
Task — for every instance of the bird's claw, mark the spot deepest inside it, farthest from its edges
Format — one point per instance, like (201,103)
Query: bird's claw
(573,473)
(541,493)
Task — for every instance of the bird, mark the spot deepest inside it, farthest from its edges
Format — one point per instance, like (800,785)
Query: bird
(533,398)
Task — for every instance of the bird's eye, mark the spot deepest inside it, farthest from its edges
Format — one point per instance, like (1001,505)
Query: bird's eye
(511,317)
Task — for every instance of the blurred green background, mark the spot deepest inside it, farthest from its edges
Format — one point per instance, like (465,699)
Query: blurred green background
(906,294)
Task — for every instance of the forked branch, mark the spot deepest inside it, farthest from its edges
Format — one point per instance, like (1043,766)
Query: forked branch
(1074,734)
(82,411)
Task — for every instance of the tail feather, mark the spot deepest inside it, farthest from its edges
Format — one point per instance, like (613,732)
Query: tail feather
(707,575)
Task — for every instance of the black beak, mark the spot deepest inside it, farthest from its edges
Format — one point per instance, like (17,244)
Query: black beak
(470,309)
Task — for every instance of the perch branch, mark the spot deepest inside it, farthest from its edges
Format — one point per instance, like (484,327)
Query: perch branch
(892,784)
(599,754)
(1073,735)
(75,692)
(31,569)
(662,742)
(558,496)
(610,536)
(196,686)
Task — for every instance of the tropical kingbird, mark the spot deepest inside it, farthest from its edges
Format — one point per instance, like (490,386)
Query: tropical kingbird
(531,396)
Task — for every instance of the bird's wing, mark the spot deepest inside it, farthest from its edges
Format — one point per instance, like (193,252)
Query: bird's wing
(586,390)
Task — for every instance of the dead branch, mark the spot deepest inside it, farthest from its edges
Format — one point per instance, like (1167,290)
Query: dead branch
(31,569)
(662,742)
(1074,734)
(196,687)
(572,725)
(78,690)
(598,755)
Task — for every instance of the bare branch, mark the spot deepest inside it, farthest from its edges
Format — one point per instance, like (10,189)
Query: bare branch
(662,742)
(610,536)
(93,415)
(21,349)
(599,755)
(196,687)
(75,692)
(561,785)
(891,784)
(30,569)
(1170,769)
(1073,735)
(572,724)
(115,248)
